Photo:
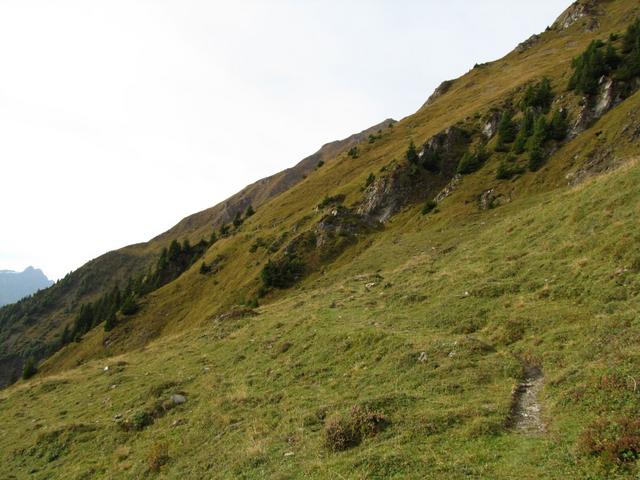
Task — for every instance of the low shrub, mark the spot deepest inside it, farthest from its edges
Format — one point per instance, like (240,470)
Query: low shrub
(616,441)
(472,161)
(428,207)
(342,432)
(137,422)
(158,456)
(29,369)
(282,273)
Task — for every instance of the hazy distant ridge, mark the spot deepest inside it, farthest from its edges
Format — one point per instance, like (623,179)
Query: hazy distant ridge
(16,285)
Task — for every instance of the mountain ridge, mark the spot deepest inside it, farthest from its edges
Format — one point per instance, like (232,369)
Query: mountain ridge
(16,285)
(381,318)
(46,326)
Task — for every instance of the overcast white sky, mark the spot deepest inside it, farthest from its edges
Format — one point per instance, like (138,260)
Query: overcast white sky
(118,118)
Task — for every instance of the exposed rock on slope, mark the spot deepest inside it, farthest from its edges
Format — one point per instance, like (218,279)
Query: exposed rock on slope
(577,11)
(263,190)
(443,88)
(439,158)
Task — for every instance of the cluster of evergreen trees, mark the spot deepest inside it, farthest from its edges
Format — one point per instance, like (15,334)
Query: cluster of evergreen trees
(472,161)
(282,273)
(173,261)
(604,58)
(535,128)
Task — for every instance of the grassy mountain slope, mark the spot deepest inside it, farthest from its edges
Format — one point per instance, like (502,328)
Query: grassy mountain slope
(35,326)
(198,225)
(425,324)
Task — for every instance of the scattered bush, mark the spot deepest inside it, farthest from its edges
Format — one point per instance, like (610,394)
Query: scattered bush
(110,322)
(238,220)
(320,164)
(250,212)
(559,126)
(373,138)
(158,456)
(224,230)
(524,132)
(204,268)
(257,243)
(506,131)
(29,369)
(353,152)
(472,161)
(428,207)
(137,422)
(536,159)
(130,306)
(370,179)
(538,96)
(343,432)
(332,200)
(282,273)
(507,170)
(616,441)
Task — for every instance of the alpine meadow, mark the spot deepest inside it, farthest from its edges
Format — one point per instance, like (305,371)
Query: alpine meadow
(452,295)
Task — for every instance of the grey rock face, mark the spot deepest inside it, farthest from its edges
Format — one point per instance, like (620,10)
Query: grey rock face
(577,11)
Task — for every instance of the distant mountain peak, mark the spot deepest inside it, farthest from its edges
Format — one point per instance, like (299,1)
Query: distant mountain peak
(16,285)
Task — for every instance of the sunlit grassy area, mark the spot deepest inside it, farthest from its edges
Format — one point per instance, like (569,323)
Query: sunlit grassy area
(551,279)
(425,326)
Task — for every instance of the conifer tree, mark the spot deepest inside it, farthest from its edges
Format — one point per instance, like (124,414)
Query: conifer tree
(525,131)
(558,126)
(506,131)
(29,369)
(110,322)
(412,153)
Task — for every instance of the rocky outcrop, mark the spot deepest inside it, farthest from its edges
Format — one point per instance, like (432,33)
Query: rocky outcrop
(490,126)
(265,189)
(528,43)
(610,94)
(445,148)
(387,195)
(578,10)
(597,162)
(437,164)
(443,88)
(449,189)
(343,222)
(492,199)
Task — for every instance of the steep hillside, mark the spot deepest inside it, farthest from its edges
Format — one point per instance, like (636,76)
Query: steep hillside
(17,285)
(455,298)
(263,190)
(35,327)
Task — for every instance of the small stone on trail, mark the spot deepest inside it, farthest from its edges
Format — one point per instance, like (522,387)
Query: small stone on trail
(423,357)
(177,399)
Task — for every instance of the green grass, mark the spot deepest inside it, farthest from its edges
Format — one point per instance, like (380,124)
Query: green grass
(428,321)
(542,284)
